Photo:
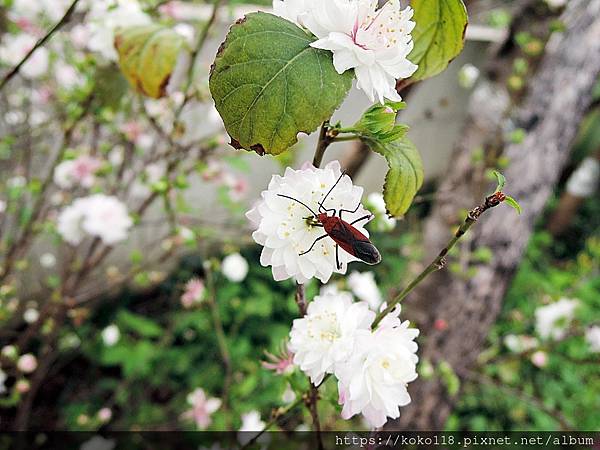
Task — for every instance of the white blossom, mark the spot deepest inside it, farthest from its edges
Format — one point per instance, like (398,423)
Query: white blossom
(98,215)
(365,288)
(3,378)
(552,320)
(77,172)
(111,335)
(374,379)
(251,421)
(235,267)
(373,41)
(31,315)
(284,231)
(15,47)
(467,76)
(592,337)
(520,344)
(106,17)
(47,260)
(325,337)
(27,363)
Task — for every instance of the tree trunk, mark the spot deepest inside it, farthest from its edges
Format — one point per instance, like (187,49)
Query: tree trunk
(559,96)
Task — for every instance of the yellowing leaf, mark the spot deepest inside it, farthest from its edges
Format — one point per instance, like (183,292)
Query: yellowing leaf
(438,35)
(147,57)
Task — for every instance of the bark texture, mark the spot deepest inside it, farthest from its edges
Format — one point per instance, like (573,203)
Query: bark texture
(551,114)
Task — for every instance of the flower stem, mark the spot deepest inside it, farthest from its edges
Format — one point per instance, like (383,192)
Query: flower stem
(440,262)
(325,140)
(221,338)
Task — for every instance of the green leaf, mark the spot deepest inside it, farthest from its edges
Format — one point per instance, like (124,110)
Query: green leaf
(147,56)
(269,84)
(139,324)
(438,35)
(405,176)
(501,181)
(514,204)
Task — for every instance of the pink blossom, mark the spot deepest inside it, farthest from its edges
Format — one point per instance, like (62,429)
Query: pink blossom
(539,359)
(238,186)
(132,130)
(27,363)
(202,408)
(281,364)
(194,293)
(105,414)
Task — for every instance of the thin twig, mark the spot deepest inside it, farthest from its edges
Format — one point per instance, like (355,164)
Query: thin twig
(440,262)
(40,43)
(221,342)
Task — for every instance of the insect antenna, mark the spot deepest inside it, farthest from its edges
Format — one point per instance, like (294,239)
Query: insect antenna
(331,190)
(298,201)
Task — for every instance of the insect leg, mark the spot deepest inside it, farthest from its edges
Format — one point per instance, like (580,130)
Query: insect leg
(337,257)
(361,219)
(313,244)
(329,193)
(348,210)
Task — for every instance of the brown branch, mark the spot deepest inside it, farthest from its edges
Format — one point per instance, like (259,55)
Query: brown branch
(40,43)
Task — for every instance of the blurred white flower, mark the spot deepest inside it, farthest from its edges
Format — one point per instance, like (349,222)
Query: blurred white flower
(365,288)
(27,363)
(105,414)
(3,378)
(251,421)
(553,320)
(98,215)
(373,381)
(556,4)
(467,76)
(2,206)
(325,337)
(111,335)
(520,344)
(592,337)
(202,408)
(31,315)
(9,351)
(235,267)
(31,9)
(194,113)
(194,293)
(105,17)
(15,46)
(77,172)
(539,359)
(288,395)
(283,230)
(373,41)
(383,222)
(98,443)
(47,260)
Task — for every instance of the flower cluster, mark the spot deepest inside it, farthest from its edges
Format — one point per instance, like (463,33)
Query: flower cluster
(373,41)
(98,215)
(373,367)
(77,172)
(553,320)
(284,227)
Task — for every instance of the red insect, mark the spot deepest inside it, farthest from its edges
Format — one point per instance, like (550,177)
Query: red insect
(344,234)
